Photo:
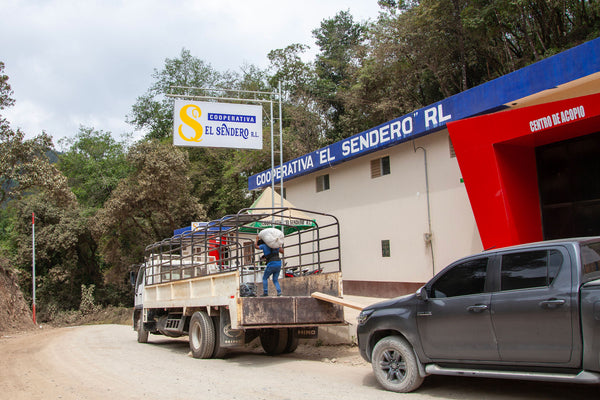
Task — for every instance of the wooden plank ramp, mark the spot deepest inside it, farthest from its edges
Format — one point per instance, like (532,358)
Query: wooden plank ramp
(336,300)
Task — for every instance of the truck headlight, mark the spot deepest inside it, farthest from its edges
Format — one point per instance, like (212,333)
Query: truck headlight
(364,316)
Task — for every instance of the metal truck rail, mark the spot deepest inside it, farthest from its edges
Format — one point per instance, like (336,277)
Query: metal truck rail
(311,246)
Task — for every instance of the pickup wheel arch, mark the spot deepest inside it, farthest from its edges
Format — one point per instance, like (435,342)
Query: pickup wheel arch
(376,336)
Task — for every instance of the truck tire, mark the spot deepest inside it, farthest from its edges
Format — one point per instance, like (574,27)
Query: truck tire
(395,365)
(202,335)
(274,341)
(292,341)
(142,334)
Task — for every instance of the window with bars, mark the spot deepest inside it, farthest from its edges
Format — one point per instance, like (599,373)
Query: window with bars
(385,248)
(380,167)
(322,183)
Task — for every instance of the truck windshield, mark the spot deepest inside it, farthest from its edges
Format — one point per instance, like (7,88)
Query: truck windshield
(140,277)
(590,260)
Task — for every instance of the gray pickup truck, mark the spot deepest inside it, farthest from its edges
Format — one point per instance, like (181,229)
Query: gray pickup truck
(524,312)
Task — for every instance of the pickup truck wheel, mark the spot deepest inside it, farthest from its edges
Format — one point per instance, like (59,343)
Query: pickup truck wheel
(202,335)
(273,341)
(142,334)
(395,366)
(292,341)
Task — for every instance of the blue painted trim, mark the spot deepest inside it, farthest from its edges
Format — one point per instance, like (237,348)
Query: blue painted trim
(561,68)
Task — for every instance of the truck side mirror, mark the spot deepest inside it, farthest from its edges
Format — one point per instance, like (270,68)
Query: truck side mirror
(132,277)
(422,294)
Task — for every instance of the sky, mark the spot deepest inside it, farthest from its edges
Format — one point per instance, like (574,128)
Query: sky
(75,63)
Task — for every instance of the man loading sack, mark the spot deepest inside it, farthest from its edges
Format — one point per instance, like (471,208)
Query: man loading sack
(270,241)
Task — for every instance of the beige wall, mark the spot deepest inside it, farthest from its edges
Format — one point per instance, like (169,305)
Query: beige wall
(394,207)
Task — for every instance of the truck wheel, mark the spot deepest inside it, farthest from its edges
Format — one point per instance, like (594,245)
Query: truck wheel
(395,365)
(273,341)
(202,335)
(142,334)
(292,341)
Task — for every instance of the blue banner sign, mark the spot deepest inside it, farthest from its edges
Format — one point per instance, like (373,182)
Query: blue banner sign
(491,96)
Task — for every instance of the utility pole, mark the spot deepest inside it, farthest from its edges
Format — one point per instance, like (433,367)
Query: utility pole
(33,260)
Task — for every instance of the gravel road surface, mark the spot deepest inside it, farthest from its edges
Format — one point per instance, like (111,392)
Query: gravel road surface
(106,362)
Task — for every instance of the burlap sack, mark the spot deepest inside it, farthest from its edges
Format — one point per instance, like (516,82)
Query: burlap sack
(272,237)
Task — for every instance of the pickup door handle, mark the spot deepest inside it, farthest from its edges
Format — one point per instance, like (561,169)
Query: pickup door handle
(552,303)
(477,308)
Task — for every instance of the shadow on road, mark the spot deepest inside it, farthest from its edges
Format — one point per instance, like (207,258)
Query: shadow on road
(250,355)
(468,388)
(441,387)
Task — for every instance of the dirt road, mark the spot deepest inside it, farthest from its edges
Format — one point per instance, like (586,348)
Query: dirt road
(106,362)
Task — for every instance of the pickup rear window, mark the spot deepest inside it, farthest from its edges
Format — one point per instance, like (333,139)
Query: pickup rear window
(530,269)
(590,259)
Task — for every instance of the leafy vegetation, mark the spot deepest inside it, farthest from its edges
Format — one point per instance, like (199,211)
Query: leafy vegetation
(103,201)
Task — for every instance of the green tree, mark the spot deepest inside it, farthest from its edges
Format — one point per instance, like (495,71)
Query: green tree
(64,251)
(304,127)
(5,90)
(94,164)
(419,52)
(24,164)
(146,206)
(338,39)
(153,111)
(296,76)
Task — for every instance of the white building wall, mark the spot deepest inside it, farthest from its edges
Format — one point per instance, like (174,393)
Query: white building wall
(394,207)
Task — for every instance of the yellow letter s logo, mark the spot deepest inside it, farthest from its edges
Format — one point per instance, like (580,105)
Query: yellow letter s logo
(191,122)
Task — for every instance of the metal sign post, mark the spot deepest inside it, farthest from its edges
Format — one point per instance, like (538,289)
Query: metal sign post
(271,95)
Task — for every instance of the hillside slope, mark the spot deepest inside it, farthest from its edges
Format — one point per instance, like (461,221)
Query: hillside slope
(15,313)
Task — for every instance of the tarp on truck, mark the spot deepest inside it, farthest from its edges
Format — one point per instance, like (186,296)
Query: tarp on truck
(287,218)
(290,219)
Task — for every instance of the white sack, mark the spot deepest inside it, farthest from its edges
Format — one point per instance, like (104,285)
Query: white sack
(272,237)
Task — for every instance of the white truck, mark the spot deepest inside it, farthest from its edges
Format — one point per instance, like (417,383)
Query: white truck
(206,283)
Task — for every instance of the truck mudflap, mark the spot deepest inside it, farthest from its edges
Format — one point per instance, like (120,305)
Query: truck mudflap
(227,336)
(287,311)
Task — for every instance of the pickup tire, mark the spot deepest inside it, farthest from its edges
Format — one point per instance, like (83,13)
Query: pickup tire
(142,334)
(274,341)
(202,335)
(395,365)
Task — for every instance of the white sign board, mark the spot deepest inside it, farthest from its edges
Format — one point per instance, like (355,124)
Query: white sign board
(202,124)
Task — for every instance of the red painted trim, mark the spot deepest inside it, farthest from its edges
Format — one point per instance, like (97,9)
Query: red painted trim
(496,155)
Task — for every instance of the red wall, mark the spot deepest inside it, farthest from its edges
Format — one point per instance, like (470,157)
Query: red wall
(496,155)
